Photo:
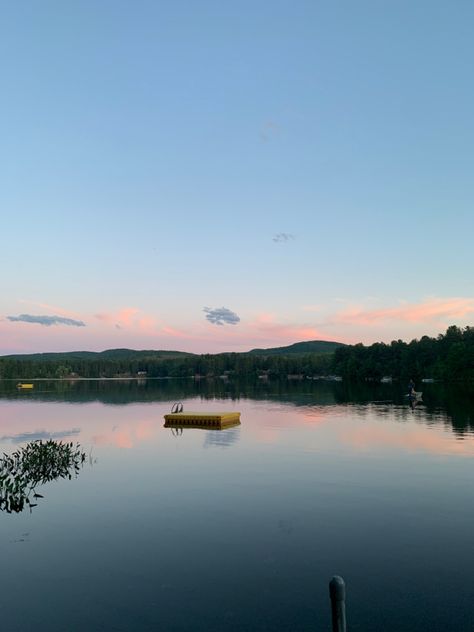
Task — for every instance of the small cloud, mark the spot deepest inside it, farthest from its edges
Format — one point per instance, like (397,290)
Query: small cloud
(281,238)
(221,316)
(47,321)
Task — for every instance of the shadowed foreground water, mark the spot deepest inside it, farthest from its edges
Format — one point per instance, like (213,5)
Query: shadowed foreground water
(241,529)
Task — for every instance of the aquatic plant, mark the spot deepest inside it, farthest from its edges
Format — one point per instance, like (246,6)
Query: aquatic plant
(35,464)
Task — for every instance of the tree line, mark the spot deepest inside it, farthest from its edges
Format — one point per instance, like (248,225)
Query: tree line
(449,356)
(206,365)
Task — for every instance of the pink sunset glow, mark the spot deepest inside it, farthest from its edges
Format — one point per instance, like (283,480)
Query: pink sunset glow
(134,328)
(124,317)
(432,310)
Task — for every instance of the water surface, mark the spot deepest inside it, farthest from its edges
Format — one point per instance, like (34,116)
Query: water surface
(242,529)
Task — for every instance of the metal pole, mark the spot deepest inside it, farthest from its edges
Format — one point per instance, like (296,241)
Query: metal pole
(337,592)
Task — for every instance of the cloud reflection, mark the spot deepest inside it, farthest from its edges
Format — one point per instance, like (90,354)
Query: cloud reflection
(221,438)
(40,434)
(409,438)
(127,434)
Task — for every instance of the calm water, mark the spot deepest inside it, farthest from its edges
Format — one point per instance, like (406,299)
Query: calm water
(242,529)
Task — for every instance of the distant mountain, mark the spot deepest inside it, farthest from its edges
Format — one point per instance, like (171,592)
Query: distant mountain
(119,354)
(311,346)
(123,355)
(109,354)
(309,358)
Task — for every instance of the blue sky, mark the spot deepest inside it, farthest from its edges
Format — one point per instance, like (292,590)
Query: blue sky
(306,166)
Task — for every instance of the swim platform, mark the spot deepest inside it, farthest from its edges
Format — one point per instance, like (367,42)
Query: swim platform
(212,420)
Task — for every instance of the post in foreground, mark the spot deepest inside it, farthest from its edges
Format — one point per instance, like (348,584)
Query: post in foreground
(337,592)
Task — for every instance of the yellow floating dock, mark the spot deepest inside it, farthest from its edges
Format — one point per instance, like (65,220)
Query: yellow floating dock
(202,420)
(23,385)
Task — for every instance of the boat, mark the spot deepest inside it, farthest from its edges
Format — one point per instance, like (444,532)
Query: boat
(414,395)
(22,385)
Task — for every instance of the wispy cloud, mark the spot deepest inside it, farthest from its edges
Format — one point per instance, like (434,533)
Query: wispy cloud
(282,238)
(221,316)
(431,310)
(47,321)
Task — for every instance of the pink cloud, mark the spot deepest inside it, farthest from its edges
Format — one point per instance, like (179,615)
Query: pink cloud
(125,317)
(429,311)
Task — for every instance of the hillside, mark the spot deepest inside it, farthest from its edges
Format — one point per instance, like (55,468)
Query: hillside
(108,354)
(310,358)
(311,346)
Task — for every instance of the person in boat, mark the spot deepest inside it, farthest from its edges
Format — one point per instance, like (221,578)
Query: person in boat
(411,388)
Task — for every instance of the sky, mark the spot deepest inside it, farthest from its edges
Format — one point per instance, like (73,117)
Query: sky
(214,176)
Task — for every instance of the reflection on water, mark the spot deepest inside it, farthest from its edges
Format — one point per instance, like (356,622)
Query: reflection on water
(37,435)
(240,529)
(455,402)
(221,438)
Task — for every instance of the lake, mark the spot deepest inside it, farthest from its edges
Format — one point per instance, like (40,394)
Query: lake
(242,529)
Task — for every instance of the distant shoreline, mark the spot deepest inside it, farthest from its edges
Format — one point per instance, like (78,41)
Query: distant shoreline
(92,379)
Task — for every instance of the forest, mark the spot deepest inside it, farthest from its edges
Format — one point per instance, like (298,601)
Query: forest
(448,357)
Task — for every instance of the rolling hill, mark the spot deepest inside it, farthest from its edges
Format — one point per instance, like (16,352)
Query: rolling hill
(298,348)
(109,354)
(311,346)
